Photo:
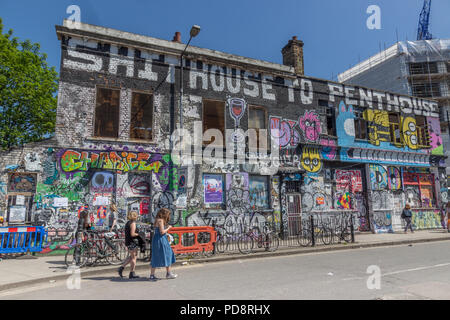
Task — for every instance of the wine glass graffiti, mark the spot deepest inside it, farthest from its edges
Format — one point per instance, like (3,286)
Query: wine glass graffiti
(237,109)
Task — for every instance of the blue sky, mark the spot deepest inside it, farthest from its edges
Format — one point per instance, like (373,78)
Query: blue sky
(334,32)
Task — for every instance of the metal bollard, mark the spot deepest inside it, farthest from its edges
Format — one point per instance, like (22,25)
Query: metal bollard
(352,229)
(313,240)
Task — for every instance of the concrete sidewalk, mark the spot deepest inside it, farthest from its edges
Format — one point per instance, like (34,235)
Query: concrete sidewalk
(28,271)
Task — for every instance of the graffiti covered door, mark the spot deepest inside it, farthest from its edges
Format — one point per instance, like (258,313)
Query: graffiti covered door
(398,201)
(294,207)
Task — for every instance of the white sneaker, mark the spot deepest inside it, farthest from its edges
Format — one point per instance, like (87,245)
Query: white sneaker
(171,276)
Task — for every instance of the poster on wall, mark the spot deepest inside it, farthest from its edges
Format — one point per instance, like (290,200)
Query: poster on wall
(20,200)
(213,188)
(60,202)
(100,200)
(181,201)
(144,206)
(259,195)
(17,214)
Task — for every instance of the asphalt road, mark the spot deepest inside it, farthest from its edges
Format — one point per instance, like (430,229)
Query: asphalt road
(420,271)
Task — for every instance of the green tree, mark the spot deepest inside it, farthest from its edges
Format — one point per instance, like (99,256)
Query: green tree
(27,92)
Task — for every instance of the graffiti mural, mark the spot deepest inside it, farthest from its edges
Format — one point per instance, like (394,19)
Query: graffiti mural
(238,195)
(316,195)
(426,219)
(348,180)
(329,149)
(50,171)
(378,177)
(378,148)
(288,136)
(22,182)
(311,161)
(237,109)
(377,125)
(382,222)
(309,124)
(434,128)
(395,178)
(409,129)
(73,161)
(33,162)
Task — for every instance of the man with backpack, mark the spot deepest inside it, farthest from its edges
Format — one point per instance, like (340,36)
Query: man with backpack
(407,216)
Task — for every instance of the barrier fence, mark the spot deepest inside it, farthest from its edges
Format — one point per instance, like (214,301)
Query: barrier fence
(21,239)
(193,239)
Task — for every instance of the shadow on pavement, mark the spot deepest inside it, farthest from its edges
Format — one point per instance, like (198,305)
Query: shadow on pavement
(117,279)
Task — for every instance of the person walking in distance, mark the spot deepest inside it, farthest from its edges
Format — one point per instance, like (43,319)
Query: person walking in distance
(162,253)
(84,224)
(447,215)
(112,217)
(131,242)
(407,215)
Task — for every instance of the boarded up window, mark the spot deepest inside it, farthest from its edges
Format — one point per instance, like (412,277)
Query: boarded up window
(394,124)
(107,113)
(360,126)
(141,116)
(214,117)
(423,136)
(257,121)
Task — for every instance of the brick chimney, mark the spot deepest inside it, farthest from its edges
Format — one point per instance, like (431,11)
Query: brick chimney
(177,37)
(293,55)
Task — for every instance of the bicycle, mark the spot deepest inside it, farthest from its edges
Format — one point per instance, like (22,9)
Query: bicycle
(97,245)
(322,232)
(267,238)
(342,230)
(146,233)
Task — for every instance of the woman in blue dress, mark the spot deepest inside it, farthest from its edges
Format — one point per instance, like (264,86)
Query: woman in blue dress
(162,253)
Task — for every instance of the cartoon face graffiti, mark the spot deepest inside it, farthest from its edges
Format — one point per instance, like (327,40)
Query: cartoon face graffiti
(310,125)
(311,161)
(410,133)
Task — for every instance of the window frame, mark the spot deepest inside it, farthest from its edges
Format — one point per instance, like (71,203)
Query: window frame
(94,135)
(359,117)
(417,182)
(266,123)
(423,133)
(392,125)
(330,116)
(151,93)
(206,143)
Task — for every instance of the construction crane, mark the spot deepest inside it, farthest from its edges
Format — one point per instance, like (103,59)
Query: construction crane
(423,32)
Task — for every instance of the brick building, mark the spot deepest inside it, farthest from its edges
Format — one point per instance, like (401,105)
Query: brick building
(338,148)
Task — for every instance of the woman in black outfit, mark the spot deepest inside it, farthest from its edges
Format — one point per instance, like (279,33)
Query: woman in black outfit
(84,223)
(131,242)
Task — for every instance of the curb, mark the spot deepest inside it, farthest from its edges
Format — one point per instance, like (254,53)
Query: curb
(222,258)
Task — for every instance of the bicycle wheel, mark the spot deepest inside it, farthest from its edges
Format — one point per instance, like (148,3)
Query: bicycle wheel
(304,237)
(245,244)
(326,236)
(273,242)
(117,253)
(82,257)
(145,255)
(220,244)
(346,235)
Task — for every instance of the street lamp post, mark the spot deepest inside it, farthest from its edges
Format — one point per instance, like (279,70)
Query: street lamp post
(194,32)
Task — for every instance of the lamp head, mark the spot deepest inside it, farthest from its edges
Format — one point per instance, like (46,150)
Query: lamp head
(195,30)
